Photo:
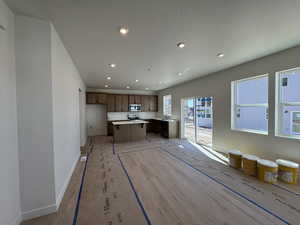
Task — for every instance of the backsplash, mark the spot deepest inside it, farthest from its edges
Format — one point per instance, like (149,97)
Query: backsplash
(123,115)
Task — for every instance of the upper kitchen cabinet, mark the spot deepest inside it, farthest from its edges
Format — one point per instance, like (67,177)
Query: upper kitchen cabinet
(138,99)
(121,103)
(96,98)
(125,104)
(131,99)
(91,98)
(153,103)
(135,99)
(102,98)
(145,103)
(111,103)
(118,103)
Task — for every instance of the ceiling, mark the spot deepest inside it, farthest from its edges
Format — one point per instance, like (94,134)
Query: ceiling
(241,29)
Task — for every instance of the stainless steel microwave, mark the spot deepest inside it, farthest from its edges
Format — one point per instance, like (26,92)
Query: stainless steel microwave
(135,107)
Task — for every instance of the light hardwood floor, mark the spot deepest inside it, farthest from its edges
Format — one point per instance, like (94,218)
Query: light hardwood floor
(166,182)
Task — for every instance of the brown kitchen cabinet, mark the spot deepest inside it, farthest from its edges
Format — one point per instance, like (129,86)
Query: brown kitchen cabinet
(101,98)
(95,98)
(111,103)
(135,99)
(91,98)
(120,102)
(131,99)
(169,129)
(145,103)
(153,103)
(125,105)
(138,99)
(110,128)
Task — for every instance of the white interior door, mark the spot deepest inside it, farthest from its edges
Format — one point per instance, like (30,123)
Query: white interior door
(96,120)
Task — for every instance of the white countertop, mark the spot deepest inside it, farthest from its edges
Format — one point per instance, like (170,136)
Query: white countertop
(129,122)
(170,120)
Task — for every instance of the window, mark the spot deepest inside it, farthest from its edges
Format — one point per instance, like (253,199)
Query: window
(167,105)
(250,105)
(287,122)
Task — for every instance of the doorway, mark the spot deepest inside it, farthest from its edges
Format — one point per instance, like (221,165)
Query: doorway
(197,120)
(96,120)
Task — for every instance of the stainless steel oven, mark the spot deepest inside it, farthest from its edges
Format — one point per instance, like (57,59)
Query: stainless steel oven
(135,107)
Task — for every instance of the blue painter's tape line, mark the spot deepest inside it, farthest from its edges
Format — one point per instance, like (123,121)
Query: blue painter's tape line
(230,189)
(135,193)
(80,191)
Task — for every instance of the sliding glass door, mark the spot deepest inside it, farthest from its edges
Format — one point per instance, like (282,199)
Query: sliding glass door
(204,121)
(189,119)
(197,120)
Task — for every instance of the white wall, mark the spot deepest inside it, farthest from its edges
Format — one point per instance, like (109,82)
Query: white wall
(66,83)
(51,122)
(35,128)
(9,164)
(217,85)
(96,119)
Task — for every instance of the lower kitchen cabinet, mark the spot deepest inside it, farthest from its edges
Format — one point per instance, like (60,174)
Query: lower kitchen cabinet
(166,128)
(169,129)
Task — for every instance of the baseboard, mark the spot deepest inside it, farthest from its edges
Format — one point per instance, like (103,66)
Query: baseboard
(17,221)
(39,212)
(85,140)
(51,208)
(65,186)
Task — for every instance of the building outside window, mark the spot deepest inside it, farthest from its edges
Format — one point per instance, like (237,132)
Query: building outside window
(287,121)
(167,105)
(249,105)
(204,112)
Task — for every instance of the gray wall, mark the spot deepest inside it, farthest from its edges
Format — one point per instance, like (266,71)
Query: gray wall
(9,164)
(218,86)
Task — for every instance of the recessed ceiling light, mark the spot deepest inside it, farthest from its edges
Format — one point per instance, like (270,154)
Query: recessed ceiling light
(136,80)
(112,65)
(108,78)
(160,82)
(124,30)
(106,85)
(220,55)
(179,74)
(181,45)
(127,87)
(147,88)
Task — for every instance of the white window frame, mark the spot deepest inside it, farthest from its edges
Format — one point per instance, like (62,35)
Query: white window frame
(279,105)
(234,106)
(164,111)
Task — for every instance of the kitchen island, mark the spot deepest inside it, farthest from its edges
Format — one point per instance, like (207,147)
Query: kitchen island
(132,130)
